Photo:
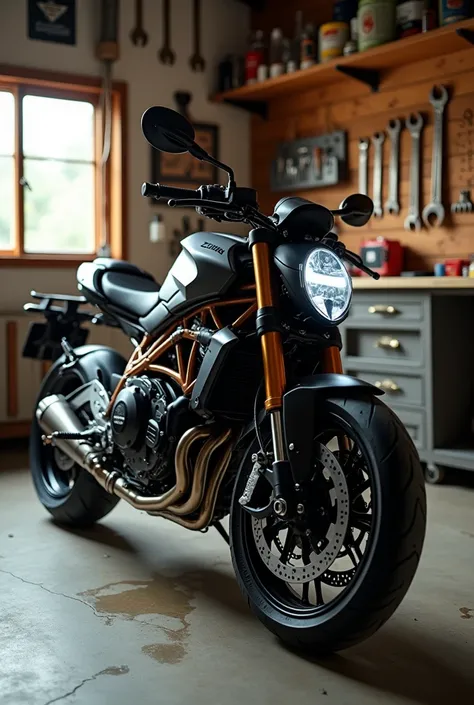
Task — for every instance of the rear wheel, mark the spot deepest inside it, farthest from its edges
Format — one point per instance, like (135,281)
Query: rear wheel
(67,491)
(330,575)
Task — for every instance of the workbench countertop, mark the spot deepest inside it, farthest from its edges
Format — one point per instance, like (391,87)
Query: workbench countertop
(433,283)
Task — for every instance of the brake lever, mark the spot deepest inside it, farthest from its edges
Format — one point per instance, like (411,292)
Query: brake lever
(198,202)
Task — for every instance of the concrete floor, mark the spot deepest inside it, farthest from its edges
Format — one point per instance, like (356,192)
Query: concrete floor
(141,611)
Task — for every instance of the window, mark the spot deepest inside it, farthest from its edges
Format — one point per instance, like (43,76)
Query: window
(50,169)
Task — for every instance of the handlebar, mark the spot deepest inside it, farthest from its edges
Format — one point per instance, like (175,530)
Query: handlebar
(158,191)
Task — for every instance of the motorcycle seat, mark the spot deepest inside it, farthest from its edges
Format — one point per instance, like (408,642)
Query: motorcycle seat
(125,286)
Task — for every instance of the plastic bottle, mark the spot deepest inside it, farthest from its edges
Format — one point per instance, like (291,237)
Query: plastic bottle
(295,58)
(277,67)
(254,57)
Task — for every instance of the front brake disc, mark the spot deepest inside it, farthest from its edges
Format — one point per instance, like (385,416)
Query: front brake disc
(294,571)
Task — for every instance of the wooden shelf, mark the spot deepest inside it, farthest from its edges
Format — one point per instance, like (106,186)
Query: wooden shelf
(403,52)
(433,283)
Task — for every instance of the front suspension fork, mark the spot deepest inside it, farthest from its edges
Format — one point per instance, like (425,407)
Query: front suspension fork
(270,338)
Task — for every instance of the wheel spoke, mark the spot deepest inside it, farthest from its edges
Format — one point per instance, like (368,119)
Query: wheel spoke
(305,550)
(288,547)
(319,592)
(305,594)
(363,522)
(358,491)
(271,530)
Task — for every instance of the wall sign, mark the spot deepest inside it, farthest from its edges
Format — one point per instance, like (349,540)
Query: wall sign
(52,21)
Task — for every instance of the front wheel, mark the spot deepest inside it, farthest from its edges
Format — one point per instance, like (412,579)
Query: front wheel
(329,576)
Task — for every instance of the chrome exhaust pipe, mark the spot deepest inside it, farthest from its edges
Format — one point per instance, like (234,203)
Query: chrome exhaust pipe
(54,413)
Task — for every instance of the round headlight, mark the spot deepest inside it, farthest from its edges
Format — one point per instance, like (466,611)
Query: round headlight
(327,284)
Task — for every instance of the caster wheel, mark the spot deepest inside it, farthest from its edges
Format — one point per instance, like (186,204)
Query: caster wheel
(434,474)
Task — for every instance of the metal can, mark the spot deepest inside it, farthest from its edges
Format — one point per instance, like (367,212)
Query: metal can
(454,11)
(332,38)
(377,23)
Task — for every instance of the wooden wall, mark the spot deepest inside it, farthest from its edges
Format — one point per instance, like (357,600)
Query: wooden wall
(351,106)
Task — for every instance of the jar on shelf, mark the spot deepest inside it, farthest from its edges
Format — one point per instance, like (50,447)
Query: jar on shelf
(333,37)
(376,22)
(409,17)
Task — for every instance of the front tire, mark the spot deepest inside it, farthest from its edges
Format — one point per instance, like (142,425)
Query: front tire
(68,492)
(392,549)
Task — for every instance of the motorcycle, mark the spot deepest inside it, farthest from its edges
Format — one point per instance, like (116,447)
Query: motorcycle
(234,403)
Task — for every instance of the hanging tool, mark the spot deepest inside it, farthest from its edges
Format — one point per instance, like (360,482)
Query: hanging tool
(138,35)
(433,213)
(377,140)
(364,143)
(197,60)
(166,54)
(392,204)
(464,204)
(414,125)
(107,52)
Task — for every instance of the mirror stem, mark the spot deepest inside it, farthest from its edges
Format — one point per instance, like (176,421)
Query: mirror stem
(201,154)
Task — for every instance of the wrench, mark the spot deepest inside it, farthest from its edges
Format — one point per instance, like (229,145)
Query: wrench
(414,125)
(364,165)
(433,213)
(392,205)
(166,55)
(377,140)
(197,61)
(138,35)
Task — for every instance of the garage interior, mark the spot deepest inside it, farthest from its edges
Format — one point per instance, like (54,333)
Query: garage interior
(137,608)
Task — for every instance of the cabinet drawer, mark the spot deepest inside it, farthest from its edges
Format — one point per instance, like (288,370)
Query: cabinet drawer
(383,309)
(398,388)
(386,345)
(414,422)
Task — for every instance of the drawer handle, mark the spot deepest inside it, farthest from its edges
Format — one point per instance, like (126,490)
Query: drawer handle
(388,385)
(387,342)
(380,308)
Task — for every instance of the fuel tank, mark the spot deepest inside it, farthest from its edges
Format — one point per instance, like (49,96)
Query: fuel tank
(206,268)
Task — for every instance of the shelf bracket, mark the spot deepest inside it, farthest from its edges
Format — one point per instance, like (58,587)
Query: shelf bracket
(256,107)
(467,34)
(371,77)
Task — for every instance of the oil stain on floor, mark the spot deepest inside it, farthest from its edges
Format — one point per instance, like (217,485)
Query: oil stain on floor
(161,603)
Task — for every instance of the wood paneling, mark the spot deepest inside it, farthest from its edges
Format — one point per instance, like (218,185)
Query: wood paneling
(350,106)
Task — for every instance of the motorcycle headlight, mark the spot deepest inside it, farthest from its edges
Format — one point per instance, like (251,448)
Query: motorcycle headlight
(327,284)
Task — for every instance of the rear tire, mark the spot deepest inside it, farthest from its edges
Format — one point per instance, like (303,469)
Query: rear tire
(73,497)
(393,549)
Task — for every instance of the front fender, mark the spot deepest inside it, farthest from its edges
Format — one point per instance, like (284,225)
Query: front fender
(299,413)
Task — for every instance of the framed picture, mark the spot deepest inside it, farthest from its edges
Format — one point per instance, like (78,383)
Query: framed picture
(183,169)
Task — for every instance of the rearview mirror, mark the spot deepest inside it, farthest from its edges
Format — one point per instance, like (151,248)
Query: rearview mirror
(358,210)
(167,131)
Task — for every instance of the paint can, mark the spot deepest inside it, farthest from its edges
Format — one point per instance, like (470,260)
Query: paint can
(454,11)
(377,23)
(332,39)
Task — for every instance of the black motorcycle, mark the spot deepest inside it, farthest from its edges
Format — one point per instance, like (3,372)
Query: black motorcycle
(234,402)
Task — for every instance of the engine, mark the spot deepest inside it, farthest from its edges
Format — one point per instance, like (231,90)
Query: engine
(139,422)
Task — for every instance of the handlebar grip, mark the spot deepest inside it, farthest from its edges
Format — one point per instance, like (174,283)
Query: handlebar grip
(166,192)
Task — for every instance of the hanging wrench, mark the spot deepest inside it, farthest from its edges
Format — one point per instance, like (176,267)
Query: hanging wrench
(364,165)
(166,55)
(377,140)
(138,35)
(197,60)
(433,213)
(414,125)
(392,205)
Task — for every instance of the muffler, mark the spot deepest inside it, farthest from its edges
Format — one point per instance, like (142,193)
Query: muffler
(53,414)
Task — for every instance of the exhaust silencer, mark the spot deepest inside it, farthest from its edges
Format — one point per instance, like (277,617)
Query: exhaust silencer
(54,413)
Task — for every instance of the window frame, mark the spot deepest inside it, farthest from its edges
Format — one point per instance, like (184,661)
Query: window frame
(23,81)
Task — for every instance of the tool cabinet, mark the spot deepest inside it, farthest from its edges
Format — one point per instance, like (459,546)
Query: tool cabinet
(417,345)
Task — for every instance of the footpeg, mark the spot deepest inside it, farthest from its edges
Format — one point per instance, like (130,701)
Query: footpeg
(52,438)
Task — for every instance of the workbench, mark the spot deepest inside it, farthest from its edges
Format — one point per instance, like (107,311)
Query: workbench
(412,337)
